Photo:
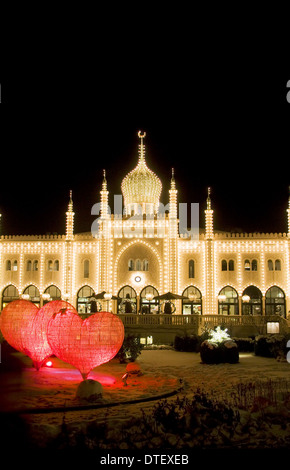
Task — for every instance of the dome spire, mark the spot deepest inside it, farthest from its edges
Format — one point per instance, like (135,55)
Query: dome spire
(141,146)
(172,183)
(208,201)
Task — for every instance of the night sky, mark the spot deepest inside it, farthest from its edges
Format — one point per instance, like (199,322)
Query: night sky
(220,119)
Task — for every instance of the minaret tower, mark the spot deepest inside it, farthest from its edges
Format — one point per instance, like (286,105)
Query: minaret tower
(288,214)
(209,258)
(173,235)
(104,198)
(70,219)
(105,271)
(68,279)
(208,217)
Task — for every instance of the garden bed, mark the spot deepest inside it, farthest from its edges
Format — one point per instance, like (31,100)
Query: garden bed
(124,426)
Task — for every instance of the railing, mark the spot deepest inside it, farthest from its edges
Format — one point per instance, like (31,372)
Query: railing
(158,320)
(199,321)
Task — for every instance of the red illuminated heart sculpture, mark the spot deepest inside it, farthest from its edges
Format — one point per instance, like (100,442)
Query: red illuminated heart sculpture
(85,344)
(24,326)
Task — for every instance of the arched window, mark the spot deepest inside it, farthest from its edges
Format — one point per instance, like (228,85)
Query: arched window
(56,265)
(147,302)
(231,265)
(15,265)
(277,265)
(138,265)
(191,269)
(8,265)
(34,295)
(254,265)
(86,268)
(252,301)
(131,265)
(53,292)
(145,265)
(228,301)
(247,265)
(28,265)
(224,265)
(35,265)
(49,265)
(193,303)
(83,299)
(9,294)
(275,301)
(127,300)
(270,265)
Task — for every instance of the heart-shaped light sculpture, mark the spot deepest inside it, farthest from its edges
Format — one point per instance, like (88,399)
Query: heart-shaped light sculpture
(17,323)
(24,326)
(88,343)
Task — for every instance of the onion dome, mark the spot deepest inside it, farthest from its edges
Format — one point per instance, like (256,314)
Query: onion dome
(141,188)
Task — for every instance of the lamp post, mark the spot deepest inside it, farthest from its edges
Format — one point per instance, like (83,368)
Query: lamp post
(149,297)
(246,299)
(107,297)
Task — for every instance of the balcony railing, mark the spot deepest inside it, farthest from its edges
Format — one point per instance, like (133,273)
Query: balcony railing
(200,321)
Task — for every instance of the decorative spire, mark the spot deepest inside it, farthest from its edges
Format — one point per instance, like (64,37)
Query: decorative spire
(172,185)
(288,213)
(208,217)
(104,196)
(70,204)
(70,219)
(208,201)
(104,184)
(141,146)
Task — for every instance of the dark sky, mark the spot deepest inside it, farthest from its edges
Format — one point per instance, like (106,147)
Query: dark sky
(220,119)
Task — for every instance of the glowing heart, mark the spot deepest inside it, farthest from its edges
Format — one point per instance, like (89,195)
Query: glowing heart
(85,344)
(24,326)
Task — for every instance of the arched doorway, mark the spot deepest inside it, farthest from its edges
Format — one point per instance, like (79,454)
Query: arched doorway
(127,300)
(9,294)
(147,303)
(228,301)
(84,299)
(32,293)
(252,301)
(192,305)
(275,302)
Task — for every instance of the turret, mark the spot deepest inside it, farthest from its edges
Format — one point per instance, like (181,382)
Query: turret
(70,219)
(173,206)
(104,198)
(288,214)
(208,217)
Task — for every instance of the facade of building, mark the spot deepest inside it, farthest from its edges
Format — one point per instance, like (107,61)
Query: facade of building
(140,254)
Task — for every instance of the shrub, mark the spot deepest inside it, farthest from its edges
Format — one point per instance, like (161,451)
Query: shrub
(270,345)
(219,347)
(210,353)
(188,343)
(216,353)
(130,350)
(230,352)
(245,344)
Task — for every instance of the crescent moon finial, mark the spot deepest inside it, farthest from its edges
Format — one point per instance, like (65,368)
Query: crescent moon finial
(140,135)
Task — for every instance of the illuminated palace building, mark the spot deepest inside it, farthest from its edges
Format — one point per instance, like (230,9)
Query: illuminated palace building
(140,254)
